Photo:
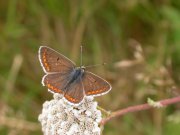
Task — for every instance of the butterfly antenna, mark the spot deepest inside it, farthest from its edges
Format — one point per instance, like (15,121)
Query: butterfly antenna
(81,55)
(95,65)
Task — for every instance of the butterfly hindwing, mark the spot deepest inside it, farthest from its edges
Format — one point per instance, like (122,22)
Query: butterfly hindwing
(53,61)
(74,92)
(55,82)
(94,85)
(59,83)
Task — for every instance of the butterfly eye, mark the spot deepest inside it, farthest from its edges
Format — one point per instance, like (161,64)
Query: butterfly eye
(57,58)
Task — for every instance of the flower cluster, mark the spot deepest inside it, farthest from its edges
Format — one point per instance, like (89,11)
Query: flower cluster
(60,118)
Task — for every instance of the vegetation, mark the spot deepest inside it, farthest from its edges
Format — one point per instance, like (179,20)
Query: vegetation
(138,39)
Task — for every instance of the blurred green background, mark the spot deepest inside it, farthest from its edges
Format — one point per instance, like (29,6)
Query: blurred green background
(138,39)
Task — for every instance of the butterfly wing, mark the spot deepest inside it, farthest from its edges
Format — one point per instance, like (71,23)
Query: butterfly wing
(59,83)
(55,82)
(52,61)
(94,85)
(74,92)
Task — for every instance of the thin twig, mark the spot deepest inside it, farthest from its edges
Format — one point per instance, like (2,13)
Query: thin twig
(141,107)
(107,113)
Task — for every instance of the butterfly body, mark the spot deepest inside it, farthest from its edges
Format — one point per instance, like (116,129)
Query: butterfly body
(62,76)
(75,77)
(77,74)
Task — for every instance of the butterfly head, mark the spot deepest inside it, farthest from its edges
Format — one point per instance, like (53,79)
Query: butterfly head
(79,70)
(83,68)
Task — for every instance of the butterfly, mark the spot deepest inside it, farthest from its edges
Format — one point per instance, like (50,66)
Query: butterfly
(62,76)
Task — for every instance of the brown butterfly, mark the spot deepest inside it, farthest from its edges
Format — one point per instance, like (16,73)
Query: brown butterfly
(63,77)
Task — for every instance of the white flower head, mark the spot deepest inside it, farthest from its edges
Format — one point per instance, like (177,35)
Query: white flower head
(60,118)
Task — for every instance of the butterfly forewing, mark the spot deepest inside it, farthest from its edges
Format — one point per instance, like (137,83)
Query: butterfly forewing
(94,85)
(53,61)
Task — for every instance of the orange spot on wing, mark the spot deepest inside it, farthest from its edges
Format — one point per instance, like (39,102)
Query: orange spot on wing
(53,88)
(69,98)
(44,59)
(96,91)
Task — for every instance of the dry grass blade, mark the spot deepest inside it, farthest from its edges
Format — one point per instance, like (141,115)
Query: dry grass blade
(17,62)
